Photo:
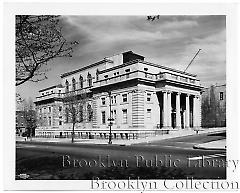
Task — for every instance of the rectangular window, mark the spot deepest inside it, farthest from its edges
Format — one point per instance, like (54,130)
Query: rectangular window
(221,95)
(149,113)
(112,100)
(103,101)
(49,109)
(124,116)
(60,122)
(114,115)
(127,73)
(103,117)
(50,121)
(115,99)
(148,97)
(124,98)
(60,109)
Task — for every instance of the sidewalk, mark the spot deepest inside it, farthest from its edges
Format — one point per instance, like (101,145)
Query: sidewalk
(213,145)
(172,134)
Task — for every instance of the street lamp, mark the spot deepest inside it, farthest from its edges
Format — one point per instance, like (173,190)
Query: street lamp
(110,119)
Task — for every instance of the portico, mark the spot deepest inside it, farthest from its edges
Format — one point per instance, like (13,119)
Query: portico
(179,110)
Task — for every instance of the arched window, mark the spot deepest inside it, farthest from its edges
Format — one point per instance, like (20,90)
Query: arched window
(81,81)
(73,84)
(89,112)
(97,75)
(89,78)
(67,86)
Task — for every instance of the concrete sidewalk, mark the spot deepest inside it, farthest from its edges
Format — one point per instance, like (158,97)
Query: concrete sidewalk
(213,145)
(172,134)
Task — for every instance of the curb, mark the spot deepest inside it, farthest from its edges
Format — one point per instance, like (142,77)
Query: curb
(209,148)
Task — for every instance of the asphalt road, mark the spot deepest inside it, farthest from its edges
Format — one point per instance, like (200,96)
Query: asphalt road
(177,152)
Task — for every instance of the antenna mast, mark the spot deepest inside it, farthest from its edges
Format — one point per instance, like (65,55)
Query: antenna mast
(192,59)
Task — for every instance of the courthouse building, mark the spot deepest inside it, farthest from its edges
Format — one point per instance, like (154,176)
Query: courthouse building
(144,99)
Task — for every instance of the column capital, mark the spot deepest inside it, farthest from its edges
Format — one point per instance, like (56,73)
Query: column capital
(188,95)
(169,91)
(196,96)
(178,93)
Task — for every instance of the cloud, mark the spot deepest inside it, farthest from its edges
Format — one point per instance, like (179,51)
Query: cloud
(170,41)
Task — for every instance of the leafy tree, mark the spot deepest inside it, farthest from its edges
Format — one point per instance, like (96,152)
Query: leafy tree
(30,117)
(75,109)
(38,40)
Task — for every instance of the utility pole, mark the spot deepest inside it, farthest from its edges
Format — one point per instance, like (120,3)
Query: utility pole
(110,119)
(192,60)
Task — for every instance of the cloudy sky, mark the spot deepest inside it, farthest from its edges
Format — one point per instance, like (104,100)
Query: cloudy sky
(170,40)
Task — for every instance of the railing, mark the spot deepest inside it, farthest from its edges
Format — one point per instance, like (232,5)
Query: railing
(123,77)
(77,92)
(170,76)
(49,96)
(132,75)
(145,75)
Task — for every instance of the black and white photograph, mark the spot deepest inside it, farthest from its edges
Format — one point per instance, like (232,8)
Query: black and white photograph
(125,97)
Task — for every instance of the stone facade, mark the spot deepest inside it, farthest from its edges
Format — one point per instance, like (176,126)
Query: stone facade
(145,98)
(214,106)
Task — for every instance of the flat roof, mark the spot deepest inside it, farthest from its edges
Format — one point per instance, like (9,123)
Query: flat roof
(137,60)
(84,68)
(55,86)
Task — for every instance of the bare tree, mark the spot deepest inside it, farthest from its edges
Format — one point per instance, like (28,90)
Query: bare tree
(38,40)
(75,109)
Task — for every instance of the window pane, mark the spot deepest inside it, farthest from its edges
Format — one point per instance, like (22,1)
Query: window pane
(103,117)
(124,115)
(124,97)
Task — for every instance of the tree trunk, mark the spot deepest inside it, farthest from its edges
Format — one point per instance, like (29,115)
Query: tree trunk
(73,134)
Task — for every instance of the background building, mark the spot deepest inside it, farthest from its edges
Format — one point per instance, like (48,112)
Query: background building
(214,106)
(145,99)
(49,108)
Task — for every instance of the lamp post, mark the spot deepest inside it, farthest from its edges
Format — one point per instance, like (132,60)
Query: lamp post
(110,119)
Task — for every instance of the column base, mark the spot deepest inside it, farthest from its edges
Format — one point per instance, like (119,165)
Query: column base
(178,127)
(167,127)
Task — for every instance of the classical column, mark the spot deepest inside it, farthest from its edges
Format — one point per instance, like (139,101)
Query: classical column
(195,112)
(157,108)
(187,112)
(165,109)
(169,109)
(178,114)
(200,111)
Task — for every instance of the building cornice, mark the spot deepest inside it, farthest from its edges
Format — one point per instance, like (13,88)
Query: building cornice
(85,67)
(148,63)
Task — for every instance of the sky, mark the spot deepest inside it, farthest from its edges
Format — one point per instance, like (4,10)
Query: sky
(170,41)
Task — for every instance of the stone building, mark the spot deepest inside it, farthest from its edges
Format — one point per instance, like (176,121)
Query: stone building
(145,98)
(50,113)
(214,106)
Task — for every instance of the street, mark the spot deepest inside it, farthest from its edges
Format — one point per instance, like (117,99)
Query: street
(170,153)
